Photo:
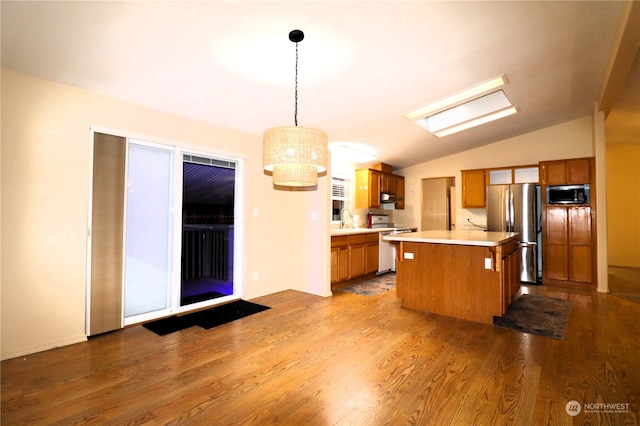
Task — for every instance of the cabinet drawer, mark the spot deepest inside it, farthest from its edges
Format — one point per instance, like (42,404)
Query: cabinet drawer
(357,239)
(509,248)
(373,238)
(342,241)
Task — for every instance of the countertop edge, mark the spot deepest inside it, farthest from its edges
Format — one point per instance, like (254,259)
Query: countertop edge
(413,238)
(356,231)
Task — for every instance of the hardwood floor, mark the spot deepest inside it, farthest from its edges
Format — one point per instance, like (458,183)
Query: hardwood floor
(624,282)
(344,360)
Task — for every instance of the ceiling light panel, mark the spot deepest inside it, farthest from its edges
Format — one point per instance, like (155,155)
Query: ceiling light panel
(478,121)
(471,110)
(456,98)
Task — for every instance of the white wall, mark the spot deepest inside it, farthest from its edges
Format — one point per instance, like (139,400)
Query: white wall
(45,187)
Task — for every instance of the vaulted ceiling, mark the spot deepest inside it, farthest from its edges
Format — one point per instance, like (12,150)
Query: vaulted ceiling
(362,65)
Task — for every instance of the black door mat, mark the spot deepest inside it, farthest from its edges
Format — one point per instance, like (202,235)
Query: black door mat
(170,325)
(206,319)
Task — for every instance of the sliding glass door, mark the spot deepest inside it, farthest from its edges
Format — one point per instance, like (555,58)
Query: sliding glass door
(208,217)
(149,231)
(173,243)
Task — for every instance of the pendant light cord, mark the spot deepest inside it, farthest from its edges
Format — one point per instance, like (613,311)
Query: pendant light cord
(295,114)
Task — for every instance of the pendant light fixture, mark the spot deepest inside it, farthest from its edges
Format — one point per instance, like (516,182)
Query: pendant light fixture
(294,154)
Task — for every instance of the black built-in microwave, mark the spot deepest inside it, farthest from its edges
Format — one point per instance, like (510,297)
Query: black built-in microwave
(568,194)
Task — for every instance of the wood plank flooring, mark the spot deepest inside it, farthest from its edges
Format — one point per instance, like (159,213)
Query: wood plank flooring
(343,360)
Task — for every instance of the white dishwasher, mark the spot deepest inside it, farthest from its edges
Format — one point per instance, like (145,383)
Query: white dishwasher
(386,255)
(387,251)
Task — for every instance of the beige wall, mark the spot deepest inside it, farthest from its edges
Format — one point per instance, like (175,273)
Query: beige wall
(572,139)
(45,194)
(623,202)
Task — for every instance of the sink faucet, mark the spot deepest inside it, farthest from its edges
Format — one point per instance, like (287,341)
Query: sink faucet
(342,221)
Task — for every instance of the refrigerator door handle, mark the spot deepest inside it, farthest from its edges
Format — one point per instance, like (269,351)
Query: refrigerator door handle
(528,244)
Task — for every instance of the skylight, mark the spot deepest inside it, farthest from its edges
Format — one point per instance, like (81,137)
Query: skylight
(466,109)
(473,113)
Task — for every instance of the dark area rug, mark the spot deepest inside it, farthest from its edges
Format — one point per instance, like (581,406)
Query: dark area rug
(206,319)
(373,286)
(540,315)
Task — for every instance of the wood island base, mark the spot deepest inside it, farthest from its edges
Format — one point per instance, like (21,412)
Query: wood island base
(466,279)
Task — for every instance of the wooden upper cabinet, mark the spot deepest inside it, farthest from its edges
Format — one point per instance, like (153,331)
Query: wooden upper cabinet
(388,183)
(368,185)
(566,172)
(579,170)
(473,188)
(554,172)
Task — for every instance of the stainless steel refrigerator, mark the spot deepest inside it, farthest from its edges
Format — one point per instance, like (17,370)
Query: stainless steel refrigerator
(515,208)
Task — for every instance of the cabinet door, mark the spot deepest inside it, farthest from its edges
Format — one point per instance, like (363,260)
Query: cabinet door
(343,264)
(400,192)
(580,244)
(339,264)
(334,266)
(372,256)
(554,172)
(375,178)
(510,278)
(555,260)
(368,188)
(388,183)
(357,255)
(473,188)
(578,171)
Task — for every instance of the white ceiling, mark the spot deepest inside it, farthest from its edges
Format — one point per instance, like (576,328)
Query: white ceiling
(362,65)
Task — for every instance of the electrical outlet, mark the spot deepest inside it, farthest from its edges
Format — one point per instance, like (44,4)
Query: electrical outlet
(487,263)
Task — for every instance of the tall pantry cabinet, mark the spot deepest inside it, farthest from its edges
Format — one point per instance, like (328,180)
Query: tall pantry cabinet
(568,231)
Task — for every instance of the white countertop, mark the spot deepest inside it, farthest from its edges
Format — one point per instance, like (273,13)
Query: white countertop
(467,238)
(353,231)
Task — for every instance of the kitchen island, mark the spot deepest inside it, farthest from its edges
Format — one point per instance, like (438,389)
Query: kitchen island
(471,275)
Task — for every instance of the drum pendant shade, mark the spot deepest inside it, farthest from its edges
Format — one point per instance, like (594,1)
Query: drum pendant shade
(295,154)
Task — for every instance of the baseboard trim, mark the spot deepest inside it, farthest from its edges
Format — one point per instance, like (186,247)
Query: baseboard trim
(18,352)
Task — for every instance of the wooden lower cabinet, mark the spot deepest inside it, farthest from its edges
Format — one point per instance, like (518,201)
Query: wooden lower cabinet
(511,258)
(580,245)
(353,257)
(372,255)
(567,245)
(339,259)
(357,255)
